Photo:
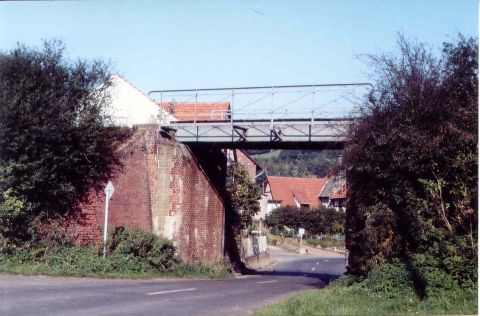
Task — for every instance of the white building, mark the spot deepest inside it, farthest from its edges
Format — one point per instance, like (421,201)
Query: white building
(129,106)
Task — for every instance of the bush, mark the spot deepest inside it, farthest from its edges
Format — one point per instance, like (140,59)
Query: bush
(272,240)
(56,137)
(317,221)
(132,253)
(201,269)
(411,165)
(145,246)
(390,279)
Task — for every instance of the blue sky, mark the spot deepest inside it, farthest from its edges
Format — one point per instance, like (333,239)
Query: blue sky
(202,44)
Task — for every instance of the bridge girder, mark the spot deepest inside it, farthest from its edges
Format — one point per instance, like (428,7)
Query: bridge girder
(295,133)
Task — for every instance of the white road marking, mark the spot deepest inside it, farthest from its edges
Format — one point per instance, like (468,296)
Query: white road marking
(172,291)
(325,260)
(316,263)
(313,269)
(271,281)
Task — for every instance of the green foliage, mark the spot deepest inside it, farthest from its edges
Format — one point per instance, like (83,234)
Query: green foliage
(203,270)
(411,164)
(157,251)
(315,221)
(386,290)
(132,254)
(298,163)
(12,208)
(327,241)
(56,141)
(244,194)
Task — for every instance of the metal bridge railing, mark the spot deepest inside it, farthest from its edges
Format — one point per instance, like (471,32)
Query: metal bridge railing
(274,103)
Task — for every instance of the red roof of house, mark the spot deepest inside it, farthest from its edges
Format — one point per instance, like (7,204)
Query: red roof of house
(340,193)
(205,111)
(306,190)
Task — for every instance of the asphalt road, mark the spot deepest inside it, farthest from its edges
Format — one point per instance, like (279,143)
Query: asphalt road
(38,295)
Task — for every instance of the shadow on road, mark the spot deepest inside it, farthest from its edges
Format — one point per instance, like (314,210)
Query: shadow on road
(327,278)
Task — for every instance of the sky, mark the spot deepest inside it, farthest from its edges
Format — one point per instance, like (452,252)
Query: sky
(206,44)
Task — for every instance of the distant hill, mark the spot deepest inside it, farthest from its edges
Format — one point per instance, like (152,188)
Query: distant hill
(297,163)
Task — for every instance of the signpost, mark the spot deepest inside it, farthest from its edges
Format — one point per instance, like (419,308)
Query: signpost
(301,232)
(108,194)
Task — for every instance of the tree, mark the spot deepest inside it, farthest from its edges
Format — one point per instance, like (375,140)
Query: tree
(56,140)
(411,163)
(316,221)
(244,196)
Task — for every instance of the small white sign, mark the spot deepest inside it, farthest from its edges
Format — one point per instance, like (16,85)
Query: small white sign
(301,231)
(109,189)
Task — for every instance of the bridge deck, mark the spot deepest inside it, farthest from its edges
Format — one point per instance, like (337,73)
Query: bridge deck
(233,133)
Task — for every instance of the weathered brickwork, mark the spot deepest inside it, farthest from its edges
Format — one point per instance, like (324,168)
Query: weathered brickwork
(163,187)
(200,207)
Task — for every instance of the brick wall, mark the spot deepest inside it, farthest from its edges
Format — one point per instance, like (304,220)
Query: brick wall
(164,187)
(196,199)
(132,202)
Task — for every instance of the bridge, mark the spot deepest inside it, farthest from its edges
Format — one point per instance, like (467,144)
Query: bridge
(297,116)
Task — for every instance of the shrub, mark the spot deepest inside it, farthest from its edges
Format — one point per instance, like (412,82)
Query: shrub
(313,241)
(144,246)
(56,137)
(132,253)
(315,221)
(272,240)
(411,164)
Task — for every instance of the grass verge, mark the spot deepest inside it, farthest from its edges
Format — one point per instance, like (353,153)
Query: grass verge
(393,296)
(86,262)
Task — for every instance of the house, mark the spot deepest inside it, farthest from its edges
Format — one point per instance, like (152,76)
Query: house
(339,198)
(306,192)
(331,187)
(129,106)
(293,191)
(197,111)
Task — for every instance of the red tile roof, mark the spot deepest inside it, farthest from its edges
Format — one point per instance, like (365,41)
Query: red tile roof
(306,190)
(205,111)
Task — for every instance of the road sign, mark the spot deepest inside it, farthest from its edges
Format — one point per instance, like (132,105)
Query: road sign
(109,190)
(301,231)
(108,194)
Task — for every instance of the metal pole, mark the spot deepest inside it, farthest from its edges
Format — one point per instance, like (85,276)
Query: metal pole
(271,108)
(105,226)
(301,244)
(231,112)
(196,102)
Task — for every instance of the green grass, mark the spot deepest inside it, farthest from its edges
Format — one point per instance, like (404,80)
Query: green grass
(86,262)
(385,292)
(351,301)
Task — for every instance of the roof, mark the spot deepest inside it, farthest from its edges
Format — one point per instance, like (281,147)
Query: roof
(340,193)
(305,190)
(205,111)
(331,187)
